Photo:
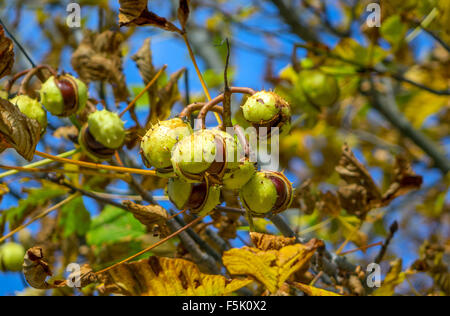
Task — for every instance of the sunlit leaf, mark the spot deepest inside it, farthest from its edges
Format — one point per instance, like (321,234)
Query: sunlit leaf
(75,218)
(168,277)
(273,267)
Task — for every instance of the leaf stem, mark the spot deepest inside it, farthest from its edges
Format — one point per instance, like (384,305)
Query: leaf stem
(96,165)
(162,241)
(199,74)
(63,171)
(43,214)
(132,103)
(40,163)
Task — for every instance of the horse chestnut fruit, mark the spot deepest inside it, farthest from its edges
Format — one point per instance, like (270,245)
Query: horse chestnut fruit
(64,95)
(31,108)
(235,179)
(11,257)
(199,198)
(103,134)
(158,142)
(267,192)
(267,109)
(205,153)
(319,88)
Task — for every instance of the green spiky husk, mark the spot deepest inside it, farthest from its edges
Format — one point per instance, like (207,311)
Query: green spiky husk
(107,128)
(236,178)
(267,109)
(195,156)
(179,193)
(158,142)
(31,108)
(267,192)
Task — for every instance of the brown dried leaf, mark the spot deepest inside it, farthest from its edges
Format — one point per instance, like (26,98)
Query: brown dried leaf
(36,270)
(144,61)
(168,277)
(272,267)
(135,12)
(353,172)
(360,194)
(329,204)
(183,13)
(17,130)
(167,97)
(270,242)
(154,217)
(405,180)
(304,199)
(85,276)
(99,58)
(6,54)
(130,10)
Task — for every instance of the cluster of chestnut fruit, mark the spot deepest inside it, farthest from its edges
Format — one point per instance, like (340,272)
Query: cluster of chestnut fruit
(66,96)
(200,164)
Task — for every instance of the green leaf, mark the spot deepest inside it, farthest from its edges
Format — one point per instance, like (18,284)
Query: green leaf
(144,100)
(75,218)
(114,225)
(364,56)
(36,198)
(394,30)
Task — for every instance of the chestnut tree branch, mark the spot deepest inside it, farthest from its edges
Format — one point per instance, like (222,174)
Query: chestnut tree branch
(387,106)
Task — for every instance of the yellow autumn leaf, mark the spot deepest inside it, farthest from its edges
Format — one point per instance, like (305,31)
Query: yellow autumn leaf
(313,291)
(394,278)
(272,267)
(168,277)
(424,104)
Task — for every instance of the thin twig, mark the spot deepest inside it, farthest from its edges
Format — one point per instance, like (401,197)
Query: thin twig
(227,92)
(386,105)
(97,166)
(162,241)
(392,230)
(368,69)
(42,215)
(18,44)
(208,106)
(364,248)
(41,163)
(199,73)
(149,85)
(87,193)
